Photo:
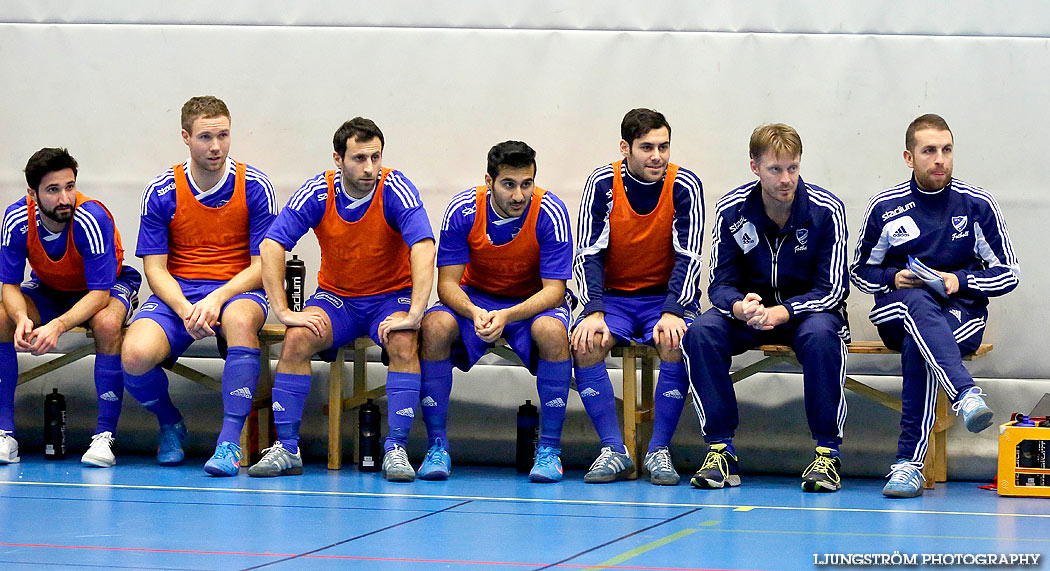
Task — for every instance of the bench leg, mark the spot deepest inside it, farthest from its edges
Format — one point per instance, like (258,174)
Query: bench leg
(630,407)
(936,465)
(360,390)
(335,412)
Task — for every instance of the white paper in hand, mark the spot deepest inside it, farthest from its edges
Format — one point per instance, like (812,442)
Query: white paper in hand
(932,279)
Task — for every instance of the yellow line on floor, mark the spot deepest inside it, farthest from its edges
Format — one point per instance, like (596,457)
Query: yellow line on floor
(865,534)
(642,549)
(510,499)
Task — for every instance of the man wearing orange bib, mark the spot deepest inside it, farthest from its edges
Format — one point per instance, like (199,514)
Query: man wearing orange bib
(79,277)
(377,271)
(201,224)
(637,269)
(504,257)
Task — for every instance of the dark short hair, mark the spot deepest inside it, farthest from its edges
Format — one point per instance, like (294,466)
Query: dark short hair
(48,160)
(360,130)
(927,121)
(206,106)
(638,122)
(514,154)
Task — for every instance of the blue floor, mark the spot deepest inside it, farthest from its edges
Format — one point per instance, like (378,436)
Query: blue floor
(142,516)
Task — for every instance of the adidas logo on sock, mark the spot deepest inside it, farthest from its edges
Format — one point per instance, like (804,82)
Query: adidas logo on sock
(277,407)
(406,412)
(673,394)
(242,392)
(428,401)
(589,392)
(150,402)
(556,403)
(109,396)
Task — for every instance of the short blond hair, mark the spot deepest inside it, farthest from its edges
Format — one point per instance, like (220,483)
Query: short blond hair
(778,137)
(206,106)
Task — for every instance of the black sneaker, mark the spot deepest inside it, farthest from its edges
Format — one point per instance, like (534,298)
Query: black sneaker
(719,470)
(822,475)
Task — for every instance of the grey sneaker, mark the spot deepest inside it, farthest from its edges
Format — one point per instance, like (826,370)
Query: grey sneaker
(976,413)
(277,461)
(661,470)
(396,467)
(609,466)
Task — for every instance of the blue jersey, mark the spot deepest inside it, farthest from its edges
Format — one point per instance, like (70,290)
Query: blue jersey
(801,266)
(958,229)
(158,206)
(683,290)
(93,237)
(552,233)
(402,209)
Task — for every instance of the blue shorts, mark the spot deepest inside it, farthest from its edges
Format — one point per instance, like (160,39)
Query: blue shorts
(632,318)
(352,317)
(517,334)
(51,303)
(195,290)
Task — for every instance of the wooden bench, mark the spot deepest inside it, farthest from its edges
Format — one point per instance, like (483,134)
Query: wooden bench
(257,431)
(638,404)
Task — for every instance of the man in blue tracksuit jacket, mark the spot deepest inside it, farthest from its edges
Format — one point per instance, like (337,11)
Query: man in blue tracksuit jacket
(958,231)
(778,275)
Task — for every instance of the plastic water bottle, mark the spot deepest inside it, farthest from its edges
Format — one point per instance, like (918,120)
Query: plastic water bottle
(294,282)
(369,438)
(528,436)
(55,426)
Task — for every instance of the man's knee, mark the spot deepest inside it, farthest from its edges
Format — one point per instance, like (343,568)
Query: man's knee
(402,347)
(107,327)
(137,356)
(437,333)
(241,323)
(551,338)
(299,345)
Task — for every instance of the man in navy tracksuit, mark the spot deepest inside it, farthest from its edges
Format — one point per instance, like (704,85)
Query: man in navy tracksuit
(778,275)
(958,231)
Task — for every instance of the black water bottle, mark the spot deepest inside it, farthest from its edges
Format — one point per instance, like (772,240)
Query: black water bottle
(369,438)
(528,436)
(55,426)
(294,282)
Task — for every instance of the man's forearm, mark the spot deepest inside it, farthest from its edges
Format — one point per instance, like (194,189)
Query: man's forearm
(421,260)
(549,297)
(85,308)
(164,286)
(271,255)
(14,301)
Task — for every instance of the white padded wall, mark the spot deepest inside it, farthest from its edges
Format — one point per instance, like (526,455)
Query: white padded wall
(447,80)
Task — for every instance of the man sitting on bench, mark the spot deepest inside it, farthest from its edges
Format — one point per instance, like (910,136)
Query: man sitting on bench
(955,236)
(79,277)
(504,257)
(377,271)
(778,275)
(201,224)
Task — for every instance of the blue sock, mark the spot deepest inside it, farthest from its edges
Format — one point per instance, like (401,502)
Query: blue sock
(596,392)
(671,388)
(289,400)
(151,390)
(239,377)
(402,394)
(8,384)
(109,386)
(552,383)
(833,446)
(434,393)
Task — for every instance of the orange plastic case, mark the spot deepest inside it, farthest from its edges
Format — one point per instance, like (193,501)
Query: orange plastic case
(1024,445)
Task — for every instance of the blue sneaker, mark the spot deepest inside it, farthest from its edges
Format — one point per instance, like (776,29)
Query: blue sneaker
(226,461)
(905,480)
(547,468)
(437,465)
(976,414)
(169,451)
(719,469)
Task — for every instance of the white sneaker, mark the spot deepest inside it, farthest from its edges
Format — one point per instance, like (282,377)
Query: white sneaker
(100,453)
(8,448)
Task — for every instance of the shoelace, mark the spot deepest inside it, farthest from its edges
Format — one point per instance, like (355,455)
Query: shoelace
(399,458)
(822,464)
(271,454)
(434,454)
(224,452)
(967,398)
(546,457)
(661,460)
(901,473)
(104,436)
(604,458)
(715,460)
